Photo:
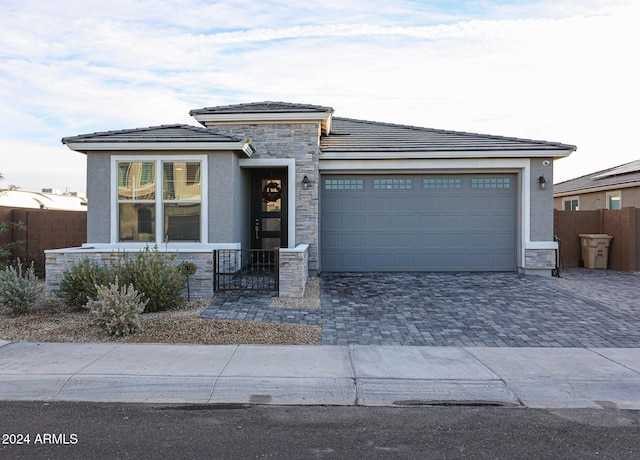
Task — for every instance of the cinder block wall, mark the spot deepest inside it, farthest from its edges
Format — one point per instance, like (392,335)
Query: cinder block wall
(45,229)
(6,215)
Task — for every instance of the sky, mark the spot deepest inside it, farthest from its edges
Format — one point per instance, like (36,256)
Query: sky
(554,70)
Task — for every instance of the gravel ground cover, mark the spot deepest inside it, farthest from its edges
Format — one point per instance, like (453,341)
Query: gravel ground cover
(52,321)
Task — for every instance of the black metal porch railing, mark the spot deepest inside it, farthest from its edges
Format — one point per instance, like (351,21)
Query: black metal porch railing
(245,269)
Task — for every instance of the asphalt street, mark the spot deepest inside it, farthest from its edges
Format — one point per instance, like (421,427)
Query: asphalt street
(63,430)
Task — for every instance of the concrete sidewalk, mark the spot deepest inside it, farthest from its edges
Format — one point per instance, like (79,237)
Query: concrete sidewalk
(321,375)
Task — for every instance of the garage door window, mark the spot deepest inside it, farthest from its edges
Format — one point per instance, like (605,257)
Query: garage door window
(441,183)
(490,182)
(391,184)
(343,184)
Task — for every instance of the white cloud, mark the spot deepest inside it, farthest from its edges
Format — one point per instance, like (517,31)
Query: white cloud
(559,71)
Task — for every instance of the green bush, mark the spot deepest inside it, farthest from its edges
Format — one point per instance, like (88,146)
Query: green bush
(152,273)
(79,282)
(117,309)
(155,275)
(19,288)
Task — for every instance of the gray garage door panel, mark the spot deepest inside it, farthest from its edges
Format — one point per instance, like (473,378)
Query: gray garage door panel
(418,222)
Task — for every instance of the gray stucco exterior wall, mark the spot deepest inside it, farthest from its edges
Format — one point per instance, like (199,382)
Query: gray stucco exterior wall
(541,200)
(224,186)
(242,205)
(99,197)
(227,191)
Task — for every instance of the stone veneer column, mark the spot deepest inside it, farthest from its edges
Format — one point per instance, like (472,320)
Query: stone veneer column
(540,261)
(294,271)
(299,141)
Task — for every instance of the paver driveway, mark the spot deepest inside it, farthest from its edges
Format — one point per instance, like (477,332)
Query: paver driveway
(583,308)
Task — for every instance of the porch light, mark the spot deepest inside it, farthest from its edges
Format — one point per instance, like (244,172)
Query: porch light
(542,183)
(305,182)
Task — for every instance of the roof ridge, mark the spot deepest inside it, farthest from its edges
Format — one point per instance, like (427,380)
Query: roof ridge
(256,105)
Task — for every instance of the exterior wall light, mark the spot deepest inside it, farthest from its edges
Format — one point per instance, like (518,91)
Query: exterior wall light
(306,183)
(542,183)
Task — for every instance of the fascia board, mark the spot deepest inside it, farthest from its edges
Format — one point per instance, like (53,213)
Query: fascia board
(131,146)
(221,118)
(451,154)
(439,164)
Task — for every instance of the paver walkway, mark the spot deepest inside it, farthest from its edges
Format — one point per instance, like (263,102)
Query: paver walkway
(583,308)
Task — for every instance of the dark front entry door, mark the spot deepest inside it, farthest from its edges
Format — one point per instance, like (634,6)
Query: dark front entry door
(269,208)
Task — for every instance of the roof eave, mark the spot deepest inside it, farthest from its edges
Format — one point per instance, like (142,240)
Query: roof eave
(84,147)
(602,188)
(453,153)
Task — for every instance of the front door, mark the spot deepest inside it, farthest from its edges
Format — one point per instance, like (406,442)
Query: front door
(269,208)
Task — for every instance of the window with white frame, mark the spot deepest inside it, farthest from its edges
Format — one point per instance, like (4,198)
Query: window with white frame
(159,199)
(571,203)
(614,200)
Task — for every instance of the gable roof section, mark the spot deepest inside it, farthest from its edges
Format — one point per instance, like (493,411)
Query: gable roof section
(623,176)
(351,138)
(177,136)
(264,112)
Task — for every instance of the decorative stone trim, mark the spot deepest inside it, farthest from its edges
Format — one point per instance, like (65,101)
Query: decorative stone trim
(59,260)
(294,271)
(540,259)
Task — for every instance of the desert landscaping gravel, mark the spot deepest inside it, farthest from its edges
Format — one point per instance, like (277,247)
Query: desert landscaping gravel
(50,320)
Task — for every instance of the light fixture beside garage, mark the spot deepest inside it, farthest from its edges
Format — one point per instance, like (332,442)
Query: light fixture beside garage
(542,183)
(306,183)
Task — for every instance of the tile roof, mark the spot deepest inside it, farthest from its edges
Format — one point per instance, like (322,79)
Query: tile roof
(348,135)
(262,107)
(163,133)
(626,175)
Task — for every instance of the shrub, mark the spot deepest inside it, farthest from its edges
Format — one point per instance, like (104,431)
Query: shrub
(152,273)
(19,288)
(117,309)
(155,276)
(6,249)
(79,282)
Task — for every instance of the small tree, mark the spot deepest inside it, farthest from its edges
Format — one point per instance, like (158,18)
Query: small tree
(6,249)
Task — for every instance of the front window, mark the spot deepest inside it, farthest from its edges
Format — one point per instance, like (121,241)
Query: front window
(136,201)
(181,191)
(159,209)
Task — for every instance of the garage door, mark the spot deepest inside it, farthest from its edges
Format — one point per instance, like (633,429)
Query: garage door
(418,222)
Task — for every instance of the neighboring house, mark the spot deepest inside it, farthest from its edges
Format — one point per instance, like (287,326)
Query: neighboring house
(612,188)
(339,194)
(41,200)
